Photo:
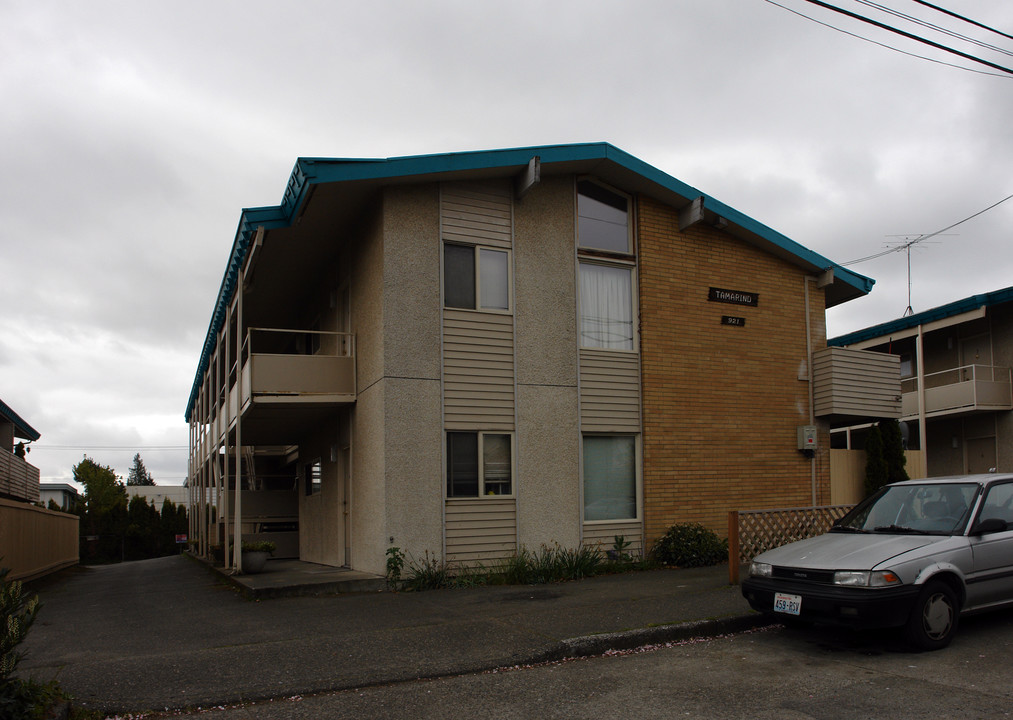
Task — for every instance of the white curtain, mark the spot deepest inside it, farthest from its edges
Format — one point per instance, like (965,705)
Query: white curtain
(606,307)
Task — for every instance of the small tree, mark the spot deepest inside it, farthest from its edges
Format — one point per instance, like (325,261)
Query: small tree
(893,451)
(876,471)
(139,474)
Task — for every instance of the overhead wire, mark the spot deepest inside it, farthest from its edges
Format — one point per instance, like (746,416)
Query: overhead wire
(882,44)
(965,19)
(932,26)
(910,36)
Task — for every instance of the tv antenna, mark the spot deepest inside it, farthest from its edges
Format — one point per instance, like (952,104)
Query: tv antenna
(906,244)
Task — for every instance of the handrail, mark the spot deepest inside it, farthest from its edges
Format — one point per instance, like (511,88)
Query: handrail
(964,373)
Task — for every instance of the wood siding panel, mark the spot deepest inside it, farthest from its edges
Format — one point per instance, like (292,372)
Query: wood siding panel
(609,391)
(856,383)
(478,371)
(604,534)
(478,213)
(480,530)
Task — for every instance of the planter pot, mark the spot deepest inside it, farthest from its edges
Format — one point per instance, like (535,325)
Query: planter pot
(254,560)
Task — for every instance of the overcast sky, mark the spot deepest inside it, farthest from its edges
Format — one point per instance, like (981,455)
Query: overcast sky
(135,132)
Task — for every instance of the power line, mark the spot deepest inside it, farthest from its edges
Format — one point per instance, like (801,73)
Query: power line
(922,238)
(882,44)
(910,36)
(132,448)
(965,19)
(933,26)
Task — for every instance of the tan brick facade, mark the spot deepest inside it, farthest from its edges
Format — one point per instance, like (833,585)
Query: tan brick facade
(721,403)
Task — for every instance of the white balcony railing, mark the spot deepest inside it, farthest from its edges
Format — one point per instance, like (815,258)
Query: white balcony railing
(297,366)
(961,389)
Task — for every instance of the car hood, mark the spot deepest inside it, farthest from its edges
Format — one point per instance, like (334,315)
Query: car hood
(846,551)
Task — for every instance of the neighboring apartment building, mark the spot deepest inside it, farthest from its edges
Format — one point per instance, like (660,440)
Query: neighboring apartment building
(957,398)
(64,495)
(19,479)
(469,353)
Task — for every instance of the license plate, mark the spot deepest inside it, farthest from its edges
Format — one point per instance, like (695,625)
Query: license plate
(788,604)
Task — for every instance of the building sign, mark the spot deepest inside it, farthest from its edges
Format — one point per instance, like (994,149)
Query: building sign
(734,297)
(737,321)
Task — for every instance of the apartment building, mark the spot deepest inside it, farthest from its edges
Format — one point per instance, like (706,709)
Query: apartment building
(957,396)
(469,353)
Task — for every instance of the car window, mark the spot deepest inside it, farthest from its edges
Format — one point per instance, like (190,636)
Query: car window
(998,503)
(932,508)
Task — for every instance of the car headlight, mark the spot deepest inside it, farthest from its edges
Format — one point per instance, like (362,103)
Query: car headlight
(760,569)
(865,578)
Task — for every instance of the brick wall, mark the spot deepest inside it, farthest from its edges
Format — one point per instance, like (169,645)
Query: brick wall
(722,403)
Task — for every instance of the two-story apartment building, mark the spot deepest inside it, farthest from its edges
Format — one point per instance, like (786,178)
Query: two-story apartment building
(957,396)
(469,353)
(19,479)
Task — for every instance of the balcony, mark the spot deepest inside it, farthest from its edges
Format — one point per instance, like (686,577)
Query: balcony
(19,480)
(966,389)
(287,379)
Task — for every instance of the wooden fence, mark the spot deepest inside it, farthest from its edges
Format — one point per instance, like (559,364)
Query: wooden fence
(751,532)
(18,478)
(35,541)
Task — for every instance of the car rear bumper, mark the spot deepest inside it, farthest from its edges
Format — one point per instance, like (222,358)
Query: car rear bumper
(850,606)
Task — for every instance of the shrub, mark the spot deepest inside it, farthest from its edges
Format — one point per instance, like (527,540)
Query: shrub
(430,573)
(690,545)
(552,564)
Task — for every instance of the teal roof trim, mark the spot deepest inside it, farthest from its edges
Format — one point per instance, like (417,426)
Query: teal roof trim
(957,307)
(22,429)
(312,171)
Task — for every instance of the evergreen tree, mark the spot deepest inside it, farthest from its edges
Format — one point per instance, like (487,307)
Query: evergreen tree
(893,451)
(139,474)
(103,512)
(876,472)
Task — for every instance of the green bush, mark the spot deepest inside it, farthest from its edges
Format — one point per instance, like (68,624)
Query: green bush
(552,564)
(690,545)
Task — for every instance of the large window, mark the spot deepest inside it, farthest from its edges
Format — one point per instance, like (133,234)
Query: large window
(606,306)
(610,477)
(478,464)
(476,277)
(602,218)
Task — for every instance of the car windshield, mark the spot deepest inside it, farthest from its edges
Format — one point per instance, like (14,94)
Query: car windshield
(930,509)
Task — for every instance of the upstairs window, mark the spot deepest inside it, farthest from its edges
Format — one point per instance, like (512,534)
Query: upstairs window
(603,219)
(478,464)
(476,278)
(606,306)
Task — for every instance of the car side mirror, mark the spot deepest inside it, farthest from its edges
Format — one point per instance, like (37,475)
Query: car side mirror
(989,526)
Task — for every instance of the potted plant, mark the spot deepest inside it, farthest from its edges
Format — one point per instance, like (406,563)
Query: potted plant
(255,555)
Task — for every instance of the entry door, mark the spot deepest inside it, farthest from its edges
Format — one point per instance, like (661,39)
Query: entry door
(975,350)
(981,455)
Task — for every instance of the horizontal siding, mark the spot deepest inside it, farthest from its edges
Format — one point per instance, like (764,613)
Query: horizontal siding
(603,535)
(478,371)
(479,213)
(856,382)
(481,530)
(609,391)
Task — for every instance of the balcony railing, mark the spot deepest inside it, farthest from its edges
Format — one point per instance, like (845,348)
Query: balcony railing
(963,389)
(297,366)
(18,478)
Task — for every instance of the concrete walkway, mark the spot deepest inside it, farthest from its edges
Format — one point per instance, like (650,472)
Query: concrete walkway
(169,633)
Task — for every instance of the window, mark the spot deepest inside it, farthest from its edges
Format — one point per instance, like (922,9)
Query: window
(314,477)
(610,477)
(476,277)
(602,218)
(606,306)
(466,476)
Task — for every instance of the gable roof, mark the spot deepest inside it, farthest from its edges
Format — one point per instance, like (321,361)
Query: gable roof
(22,429)
(600,159)
(958,307)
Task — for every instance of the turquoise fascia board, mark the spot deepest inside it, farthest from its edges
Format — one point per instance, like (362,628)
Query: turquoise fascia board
(309,171)
(884,330)
(21,429)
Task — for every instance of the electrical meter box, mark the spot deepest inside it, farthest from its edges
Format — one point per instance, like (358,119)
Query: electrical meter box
(806,437)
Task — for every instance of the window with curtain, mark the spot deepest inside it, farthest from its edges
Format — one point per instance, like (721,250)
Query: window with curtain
(478,464)
(606,306)
(610,477)
(476,277)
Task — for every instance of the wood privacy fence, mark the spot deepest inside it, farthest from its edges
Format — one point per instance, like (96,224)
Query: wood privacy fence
(751,532)
(35,541)
(18,478)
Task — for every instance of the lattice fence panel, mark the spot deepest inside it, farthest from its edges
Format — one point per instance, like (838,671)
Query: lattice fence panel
(761,530)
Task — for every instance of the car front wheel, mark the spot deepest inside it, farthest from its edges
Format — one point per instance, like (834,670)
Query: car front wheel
(934,618)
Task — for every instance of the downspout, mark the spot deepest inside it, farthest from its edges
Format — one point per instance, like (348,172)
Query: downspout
(809,373)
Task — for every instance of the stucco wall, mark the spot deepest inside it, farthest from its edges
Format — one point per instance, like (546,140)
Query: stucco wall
(722,403)
(548,479)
